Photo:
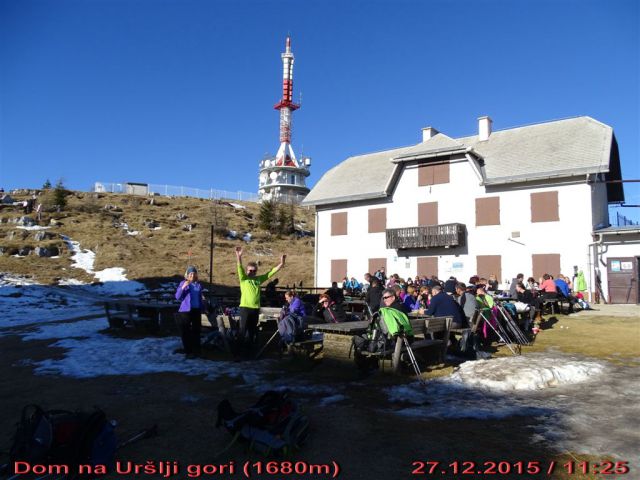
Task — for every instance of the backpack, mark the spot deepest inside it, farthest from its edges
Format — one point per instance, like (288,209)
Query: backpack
(291,328)
(469,347)
(386,324)
(273,425)
(64,437)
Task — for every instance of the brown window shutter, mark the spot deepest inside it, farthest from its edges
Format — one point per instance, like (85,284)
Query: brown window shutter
(441,173)
(339,223)
(487,211)
(425,175)
(427,266)
(544,207)
(376,263)
(338,270)
(377,220)
(545,263)
(427,214)
(489,264)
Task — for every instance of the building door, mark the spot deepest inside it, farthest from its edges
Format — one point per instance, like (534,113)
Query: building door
(622,279)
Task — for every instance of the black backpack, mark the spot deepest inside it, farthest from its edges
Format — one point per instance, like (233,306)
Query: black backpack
(273,425)
(63,437)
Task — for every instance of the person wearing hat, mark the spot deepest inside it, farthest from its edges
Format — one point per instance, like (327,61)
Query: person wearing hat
(190,295)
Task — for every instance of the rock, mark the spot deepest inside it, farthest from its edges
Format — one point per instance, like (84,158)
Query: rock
(112,208)
(181,216)
(26,221)
(246,237)
(189,226)
(40,236)
(151,224)
(232,234)
(24,251)
(17,235)
(55,223)
(46,252)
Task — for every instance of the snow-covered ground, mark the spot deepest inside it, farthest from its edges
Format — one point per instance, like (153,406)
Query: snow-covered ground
(579,404)
(114,278)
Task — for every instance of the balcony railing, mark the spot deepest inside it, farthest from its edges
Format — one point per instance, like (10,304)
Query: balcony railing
(448,235)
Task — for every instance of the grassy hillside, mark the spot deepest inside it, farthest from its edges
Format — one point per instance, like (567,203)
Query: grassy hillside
(103,223)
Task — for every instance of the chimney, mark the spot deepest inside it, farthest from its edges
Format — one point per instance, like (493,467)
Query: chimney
(428,132)
(484,128)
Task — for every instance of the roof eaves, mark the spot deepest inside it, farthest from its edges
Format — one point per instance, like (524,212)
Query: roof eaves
(441,152)
(543,175)
(345,199)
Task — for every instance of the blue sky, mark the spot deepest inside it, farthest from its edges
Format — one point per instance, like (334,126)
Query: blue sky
(181,92)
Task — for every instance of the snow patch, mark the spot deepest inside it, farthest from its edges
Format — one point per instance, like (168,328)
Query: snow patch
(33,227)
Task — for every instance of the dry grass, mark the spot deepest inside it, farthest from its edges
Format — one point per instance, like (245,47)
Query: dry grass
(159,253)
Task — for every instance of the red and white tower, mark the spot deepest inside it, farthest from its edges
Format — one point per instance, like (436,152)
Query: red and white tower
(283,177)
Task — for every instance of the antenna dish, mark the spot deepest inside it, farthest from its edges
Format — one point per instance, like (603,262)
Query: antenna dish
(273,175)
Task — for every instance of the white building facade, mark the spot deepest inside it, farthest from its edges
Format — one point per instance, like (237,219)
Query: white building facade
(525,200)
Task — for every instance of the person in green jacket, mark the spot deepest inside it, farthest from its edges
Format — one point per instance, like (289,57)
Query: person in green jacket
(250,294)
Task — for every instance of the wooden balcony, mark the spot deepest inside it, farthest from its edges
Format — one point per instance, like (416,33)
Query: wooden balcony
(433,236)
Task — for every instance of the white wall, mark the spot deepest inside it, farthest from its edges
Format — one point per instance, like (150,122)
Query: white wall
(569,237)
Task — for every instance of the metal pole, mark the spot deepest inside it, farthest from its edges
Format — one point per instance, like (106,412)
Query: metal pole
(211,264)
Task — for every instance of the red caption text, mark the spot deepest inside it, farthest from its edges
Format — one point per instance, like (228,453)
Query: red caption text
(436,468)
(170,469)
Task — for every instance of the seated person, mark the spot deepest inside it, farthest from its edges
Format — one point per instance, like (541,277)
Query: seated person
(512,288)
(466,300)
(443,305)
(335,293)
(562,287)
(450,286)
(293,320)
(492,283)
(390,299)
(526,297)
(483,299)
(373,296)
(331,311)
(355,286)
(411,300)
(294,305)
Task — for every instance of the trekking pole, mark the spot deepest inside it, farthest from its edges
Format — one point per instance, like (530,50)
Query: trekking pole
(146,433)
(412,359)
(517,333)
(266,344)
(497,333)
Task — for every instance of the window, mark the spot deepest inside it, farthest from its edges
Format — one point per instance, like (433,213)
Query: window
(544,207)
(487,211)
(377,220)
(489,265)
(339,223)
(376,263)
(427,266)
(338,270)
(293,180)
(433,174)
(427,214)
(545,263)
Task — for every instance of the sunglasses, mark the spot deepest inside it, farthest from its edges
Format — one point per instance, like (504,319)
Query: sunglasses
(388,296)
(251,270)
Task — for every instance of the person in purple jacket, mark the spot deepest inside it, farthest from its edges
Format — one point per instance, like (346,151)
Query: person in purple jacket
(189,293)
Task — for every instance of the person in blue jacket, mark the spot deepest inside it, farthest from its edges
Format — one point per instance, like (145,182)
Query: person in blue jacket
(189,294)
(443,305)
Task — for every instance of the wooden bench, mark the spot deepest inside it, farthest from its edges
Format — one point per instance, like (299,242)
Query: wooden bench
(123,314)
(428,332)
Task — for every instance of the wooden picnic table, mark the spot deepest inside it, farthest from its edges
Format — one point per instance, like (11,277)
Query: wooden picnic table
(343,328)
